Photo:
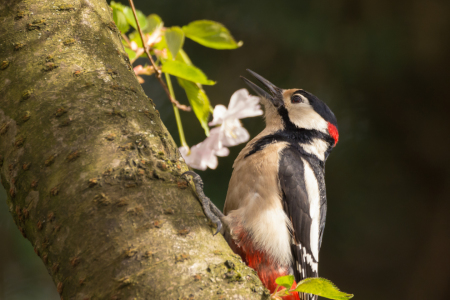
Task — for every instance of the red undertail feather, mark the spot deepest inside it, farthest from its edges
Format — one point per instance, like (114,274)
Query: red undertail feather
(333,132)
(263,264)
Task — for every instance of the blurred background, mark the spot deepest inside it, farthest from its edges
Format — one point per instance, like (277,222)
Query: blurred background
(383,68)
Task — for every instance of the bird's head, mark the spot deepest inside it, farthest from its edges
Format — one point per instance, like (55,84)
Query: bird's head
(294,109)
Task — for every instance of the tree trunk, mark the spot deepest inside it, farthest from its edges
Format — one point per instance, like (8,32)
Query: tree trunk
(92,175)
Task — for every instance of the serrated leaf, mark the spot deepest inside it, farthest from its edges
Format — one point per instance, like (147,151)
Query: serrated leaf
(322,287)
(120,20)
(198,100)
(286,281)
(174,39)
(210,34)
(130,17)
(182,70)
(153,22)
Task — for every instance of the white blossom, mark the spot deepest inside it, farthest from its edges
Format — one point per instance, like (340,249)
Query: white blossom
(204,155)
(155,37)
(134,46)
(140,70)
(229,133)
(242,105)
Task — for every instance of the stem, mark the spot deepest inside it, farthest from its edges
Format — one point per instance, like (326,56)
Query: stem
(157,71)
(177,113)
(124,36)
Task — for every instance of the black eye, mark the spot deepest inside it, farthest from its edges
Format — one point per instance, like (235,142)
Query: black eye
(296,99)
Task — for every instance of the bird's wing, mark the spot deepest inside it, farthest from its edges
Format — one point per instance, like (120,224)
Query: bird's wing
(291,173)
(323,214)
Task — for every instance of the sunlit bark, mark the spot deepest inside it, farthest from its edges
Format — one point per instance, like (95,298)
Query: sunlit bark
(92,175)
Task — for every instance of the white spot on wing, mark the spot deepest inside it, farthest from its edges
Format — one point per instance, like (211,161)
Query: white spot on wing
(310,261)
(312,188)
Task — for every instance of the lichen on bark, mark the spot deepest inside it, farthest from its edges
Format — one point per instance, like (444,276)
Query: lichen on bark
(92,175)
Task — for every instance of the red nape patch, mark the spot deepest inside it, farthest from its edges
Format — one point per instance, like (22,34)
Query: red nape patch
(263,264)
(333,132)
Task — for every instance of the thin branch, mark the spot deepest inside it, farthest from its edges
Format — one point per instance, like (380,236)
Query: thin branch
(157,71)
(177,113)
(124,36)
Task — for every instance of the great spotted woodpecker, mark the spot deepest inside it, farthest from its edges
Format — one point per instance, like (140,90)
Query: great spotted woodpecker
(274,214)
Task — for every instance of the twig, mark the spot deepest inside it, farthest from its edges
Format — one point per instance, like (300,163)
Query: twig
(176,113)
(138,52)
(124,36)
(157,71)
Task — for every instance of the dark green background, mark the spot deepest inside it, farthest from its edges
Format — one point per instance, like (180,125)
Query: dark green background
(382,67)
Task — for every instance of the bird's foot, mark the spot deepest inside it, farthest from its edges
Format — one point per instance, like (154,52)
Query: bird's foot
(211,211)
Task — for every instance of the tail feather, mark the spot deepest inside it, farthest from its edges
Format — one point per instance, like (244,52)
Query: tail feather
(305,266)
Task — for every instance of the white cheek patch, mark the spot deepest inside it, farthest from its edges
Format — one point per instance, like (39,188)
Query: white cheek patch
(304,116)
(305,100)
(317,147)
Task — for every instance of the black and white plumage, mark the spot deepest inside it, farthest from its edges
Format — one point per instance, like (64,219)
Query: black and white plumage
(276,200)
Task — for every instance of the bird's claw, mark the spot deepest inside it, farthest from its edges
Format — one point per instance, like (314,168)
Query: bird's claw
(210,210)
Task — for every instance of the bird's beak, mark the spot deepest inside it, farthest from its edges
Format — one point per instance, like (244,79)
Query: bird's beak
(277,94)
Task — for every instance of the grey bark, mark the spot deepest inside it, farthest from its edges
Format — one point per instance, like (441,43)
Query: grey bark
(92,175)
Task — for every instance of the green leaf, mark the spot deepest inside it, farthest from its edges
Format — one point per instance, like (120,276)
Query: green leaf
(198,100)
(322,287)
(126,15)
(120,20)
(116,5)
(135,37)
(161,44)
(182,70)
(131,53)
(183,57)
(286,281)
(174,39)
(130,17)
(210,34)
(153,22)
